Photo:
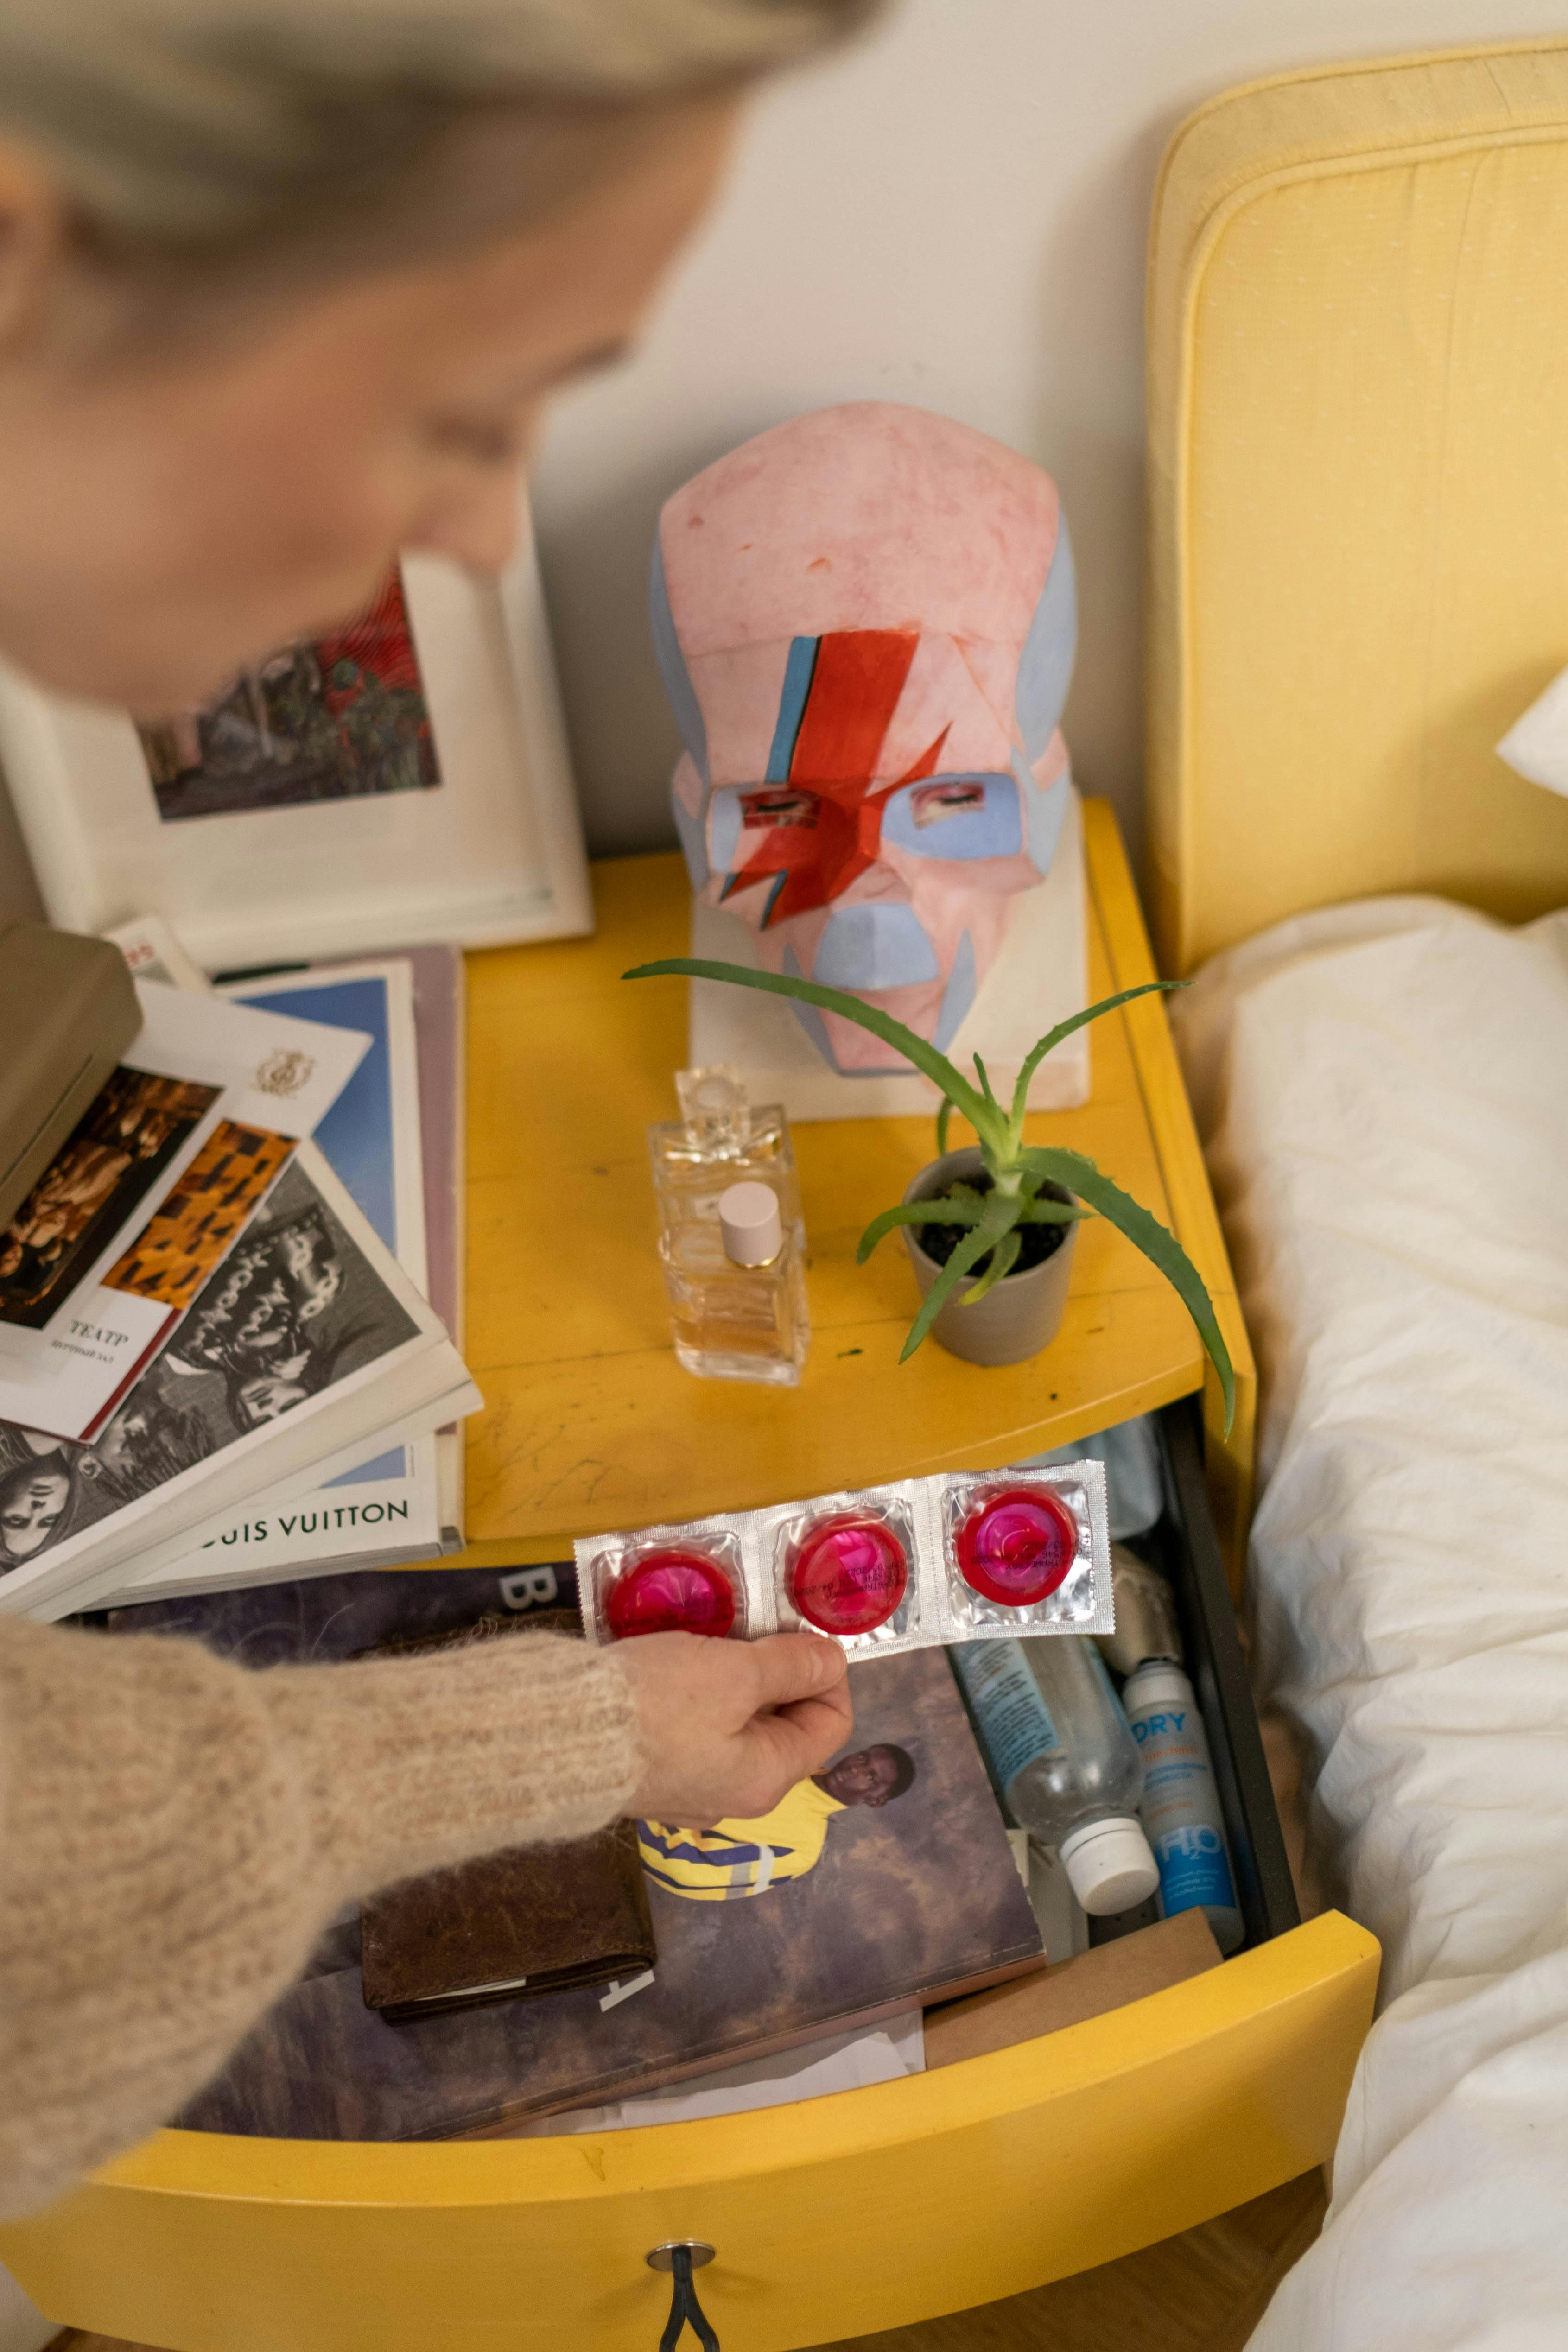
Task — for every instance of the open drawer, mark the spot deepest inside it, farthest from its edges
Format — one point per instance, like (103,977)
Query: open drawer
(830,2218)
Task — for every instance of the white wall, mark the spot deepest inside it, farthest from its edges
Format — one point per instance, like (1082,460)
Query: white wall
(954,216)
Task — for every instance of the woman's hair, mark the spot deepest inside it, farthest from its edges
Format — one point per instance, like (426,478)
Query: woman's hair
(191,129)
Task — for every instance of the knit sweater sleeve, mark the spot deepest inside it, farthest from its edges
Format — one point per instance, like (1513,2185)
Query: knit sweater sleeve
(175,1832)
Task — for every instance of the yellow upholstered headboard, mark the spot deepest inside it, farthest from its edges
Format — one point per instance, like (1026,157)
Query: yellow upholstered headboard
(1358,363)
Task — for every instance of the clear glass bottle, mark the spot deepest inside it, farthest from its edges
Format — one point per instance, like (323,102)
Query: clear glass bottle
(736,1281)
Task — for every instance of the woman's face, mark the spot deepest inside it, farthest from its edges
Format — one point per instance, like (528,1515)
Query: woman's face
(31,1507)
(173,505)
(265,1399)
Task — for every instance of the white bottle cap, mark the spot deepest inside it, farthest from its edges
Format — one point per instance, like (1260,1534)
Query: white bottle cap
(1158,1681)
(751,1224)
(1108,1865)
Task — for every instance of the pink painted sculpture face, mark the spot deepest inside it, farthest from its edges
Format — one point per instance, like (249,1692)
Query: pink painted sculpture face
(866,622)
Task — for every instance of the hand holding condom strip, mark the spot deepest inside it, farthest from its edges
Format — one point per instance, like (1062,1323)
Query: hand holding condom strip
(963,1557)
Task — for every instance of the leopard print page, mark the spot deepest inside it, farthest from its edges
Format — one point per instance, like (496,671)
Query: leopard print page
(205,1213)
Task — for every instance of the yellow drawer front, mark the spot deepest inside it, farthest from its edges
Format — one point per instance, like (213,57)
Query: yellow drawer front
(832,2217)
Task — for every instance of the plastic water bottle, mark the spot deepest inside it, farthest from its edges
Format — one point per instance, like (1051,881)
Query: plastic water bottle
(1066,1762)
(1180,1804)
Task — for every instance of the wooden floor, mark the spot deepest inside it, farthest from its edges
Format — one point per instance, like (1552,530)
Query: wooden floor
(1203,2291)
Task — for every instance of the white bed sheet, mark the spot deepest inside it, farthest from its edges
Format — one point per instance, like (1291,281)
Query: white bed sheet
(1383,1093)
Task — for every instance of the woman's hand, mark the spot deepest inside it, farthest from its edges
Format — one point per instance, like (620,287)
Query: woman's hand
(727,1727)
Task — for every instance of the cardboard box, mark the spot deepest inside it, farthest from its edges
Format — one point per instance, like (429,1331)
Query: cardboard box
(1106,1978)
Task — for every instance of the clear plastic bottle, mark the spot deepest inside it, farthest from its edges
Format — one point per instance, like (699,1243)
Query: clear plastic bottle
(1066,1764)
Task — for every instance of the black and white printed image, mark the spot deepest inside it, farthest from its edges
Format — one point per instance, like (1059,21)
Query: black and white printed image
(293,1309)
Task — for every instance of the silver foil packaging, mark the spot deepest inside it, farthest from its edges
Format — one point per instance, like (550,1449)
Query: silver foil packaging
(967,1556)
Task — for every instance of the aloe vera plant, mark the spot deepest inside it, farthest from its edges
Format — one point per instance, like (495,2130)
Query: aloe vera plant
(1018,1170)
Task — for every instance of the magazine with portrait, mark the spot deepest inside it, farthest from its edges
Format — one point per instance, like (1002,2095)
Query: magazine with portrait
(295,1359)
(371,1139)
(883,1883)
(156,1182)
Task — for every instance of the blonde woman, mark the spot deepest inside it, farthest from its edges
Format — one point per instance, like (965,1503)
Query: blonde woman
(283,287)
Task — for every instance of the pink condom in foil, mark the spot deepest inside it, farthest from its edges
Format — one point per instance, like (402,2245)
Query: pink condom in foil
(1017,1545)
(847,1575)
(675,1591)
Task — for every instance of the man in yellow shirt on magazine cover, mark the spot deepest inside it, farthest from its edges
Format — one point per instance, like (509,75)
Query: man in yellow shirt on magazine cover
(737,1858)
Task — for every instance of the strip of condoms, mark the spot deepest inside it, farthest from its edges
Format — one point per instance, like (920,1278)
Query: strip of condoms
(969,1555)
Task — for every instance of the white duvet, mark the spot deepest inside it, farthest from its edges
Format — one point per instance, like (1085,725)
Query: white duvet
(1384,1088)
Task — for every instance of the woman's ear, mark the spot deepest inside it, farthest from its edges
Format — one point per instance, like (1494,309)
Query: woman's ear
(34,232)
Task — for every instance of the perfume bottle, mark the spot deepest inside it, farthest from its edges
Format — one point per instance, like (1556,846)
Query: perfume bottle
(731,1236)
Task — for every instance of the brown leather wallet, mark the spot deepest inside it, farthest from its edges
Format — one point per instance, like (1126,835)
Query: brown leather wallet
(533,1919)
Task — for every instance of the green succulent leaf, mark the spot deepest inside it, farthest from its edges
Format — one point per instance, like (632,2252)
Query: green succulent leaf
(1004,1258)
(1078,1174)
(1053,1038)
(1052,1212)
(998,1222)
(919,1212)
(983,1117)
(943,1119)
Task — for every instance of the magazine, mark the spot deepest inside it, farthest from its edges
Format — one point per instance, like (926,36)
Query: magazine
(152,1188)
(398,1510)
(883,1883)
(295,1358)
(371,1135)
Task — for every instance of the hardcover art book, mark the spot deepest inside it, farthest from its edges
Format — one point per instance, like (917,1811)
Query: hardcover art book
(882,1883)
(288,1369)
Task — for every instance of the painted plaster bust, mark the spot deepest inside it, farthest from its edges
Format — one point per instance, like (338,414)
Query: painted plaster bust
(866,621)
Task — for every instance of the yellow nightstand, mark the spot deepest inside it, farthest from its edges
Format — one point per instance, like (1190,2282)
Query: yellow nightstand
(589,1420)
(838,2215)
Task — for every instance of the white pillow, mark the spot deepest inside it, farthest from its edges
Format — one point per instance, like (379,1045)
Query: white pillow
(1536,746)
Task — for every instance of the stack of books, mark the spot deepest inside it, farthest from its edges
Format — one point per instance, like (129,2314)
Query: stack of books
(229,1310)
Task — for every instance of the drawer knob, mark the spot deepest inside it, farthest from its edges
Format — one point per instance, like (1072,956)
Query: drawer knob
(681,2257)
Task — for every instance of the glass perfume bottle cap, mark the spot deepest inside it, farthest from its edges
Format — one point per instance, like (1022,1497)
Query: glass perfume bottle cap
(1017,1545)
(847,1575)
(749,1221)
(714,1106)
(671,1591)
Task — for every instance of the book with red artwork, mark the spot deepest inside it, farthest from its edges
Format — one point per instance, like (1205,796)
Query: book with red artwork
(883,1883)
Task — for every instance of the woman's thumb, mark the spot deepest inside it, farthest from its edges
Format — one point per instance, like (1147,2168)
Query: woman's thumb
(797,1666)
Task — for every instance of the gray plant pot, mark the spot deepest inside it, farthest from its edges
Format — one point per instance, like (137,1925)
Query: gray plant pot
(1022,1314)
